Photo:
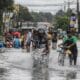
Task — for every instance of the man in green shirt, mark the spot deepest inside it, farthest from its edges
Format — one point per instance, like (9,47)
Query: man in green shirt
(70,42)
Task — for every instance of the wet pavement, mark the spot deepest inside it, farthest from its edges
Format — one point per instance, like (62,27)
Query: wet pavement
(57,72)
(66,72)
(17,64)
(14,65)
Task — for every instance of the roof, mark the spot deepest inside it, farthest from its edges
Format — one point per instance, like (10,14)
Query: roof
(25,27)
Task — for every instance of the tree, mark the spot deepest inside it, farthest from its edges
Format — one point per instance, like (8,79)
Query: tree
(5,5)
(60,13)
(24,14)
(62,22)
(62,19)
(41,17)
(69,12)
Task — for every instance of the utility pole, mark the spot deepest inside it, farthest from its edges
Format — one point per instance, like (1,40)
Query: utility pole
(78,16)
(64,6)
(68,4)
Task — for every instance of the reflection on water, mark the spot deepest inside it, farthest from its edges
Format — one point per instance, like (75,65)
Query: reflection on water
(40,71)
(64,75)
(71,75)
(3,73)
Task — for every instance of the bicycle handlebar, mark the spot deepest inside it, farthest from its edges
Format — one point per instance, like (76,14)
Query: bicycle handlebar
(63,47)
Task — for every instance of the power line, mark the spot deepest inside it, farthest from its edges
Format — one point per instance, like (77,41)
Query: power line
(43,5)
(50,5)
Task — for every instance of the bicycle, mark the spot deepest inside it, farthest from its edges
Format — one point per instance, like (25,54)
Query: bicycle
(64,50)
(61,56)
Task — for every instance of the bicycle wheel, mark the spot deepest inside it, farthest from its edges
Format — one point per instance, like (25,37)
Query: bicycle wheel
(61,59)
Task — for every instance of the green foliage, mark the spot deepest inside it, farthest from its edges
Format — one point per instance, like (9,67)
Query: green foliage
(69,12)
(62,19)
(6,4)
(60,13)
(41,17)
(24,14)
(62,22)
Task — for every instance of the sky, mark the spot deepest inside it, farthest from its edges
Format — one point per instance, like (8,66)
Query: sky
(41,8)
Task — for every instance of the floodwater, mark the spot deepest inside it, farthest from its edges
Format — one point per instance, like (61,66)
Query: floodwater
(16,64)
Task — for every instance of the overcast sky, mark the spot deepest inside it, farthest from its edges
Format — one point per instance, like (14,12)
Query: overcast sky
(52,9)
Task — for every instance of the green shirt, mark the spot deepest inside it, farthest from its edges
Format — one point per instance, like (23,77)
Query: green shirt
(73,38)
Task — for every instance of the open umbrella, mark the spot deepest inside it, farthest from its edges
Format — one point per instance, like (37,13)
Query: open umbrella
(17,34)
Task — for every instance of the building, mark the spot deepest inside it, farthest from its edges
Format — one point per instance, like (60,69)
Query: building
(43,24)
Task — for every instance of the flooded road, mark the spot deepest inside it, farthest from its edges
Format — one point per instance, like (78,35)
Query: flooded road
(16,64)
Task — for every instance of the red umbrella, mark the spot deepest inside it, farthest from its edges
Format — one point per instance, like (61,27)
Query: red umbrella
(17,34)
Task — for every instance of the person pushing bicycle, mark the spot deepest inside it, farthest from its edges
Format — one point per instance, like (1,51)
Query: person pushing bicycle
(70,42)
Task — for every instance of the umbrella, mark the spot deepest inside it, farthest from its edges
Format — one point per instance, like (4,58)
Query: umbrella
(17,34)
